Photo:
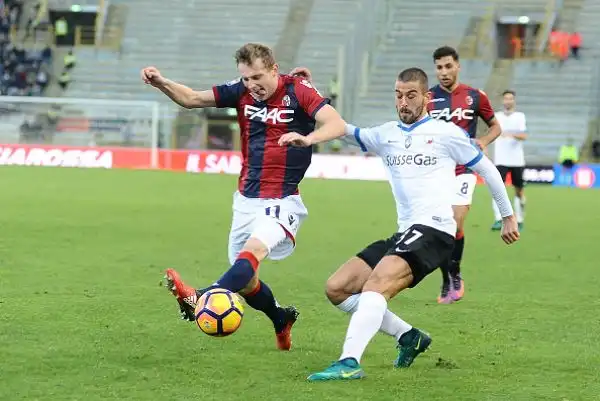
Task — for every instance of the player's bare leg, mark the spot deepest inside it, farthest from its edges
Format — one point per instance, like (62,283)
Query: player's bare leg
(519,206)
(242,278)
(347,281)
(343,290)
(389,277)
(453,286)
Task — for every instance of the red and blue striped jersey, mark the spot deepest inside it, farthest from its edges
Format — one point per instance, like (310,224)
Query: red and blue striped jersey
(463,106)
(270,170)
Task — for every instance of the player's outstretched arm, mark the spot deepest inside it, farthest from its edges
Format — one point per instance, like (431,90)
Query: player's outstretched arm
(492,134)
(486,169)
(463,152)
(331,127)
(178,93)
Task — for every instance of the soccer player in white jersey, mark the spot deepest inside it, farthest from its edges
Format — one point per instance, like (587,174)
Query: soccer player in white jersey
(509,156)
(420,155)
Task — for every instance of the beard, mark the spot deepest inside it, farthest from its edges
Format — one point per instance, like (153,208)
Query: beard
(410,116)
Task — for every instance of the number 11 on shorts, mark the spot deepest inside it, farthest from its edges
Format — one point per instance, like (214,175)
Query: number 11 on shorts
(273,211)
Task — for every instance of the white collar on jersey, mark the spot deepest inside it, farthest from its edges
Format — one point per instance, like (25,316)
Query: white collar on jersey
(410,127)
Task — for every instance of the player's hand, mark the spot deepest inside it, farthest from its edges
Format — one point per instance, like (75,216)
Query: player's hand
(510,229)
(479,144)
(482,146)
(295,139)
(151,76)
(302,72)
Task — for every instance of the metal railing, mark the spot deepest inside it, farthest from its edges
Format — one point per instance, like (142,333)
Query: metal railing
(543,35)
(86,36)
(354,58)
(485,41)
(101,17)
(594,118)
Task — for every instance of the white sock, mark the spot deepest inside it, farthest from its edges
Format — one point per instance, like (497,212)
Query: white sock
(392,325)
(518,209)
(350,304)
(497,216)
(364,324)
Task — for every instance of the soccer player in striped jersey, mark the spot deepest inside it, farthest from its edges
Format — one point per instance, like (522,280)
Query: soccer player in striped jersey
(462,105)
(267,207)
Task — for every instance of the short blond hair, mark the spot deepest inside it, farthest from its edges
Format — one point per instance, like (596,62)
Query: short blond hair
(251,52)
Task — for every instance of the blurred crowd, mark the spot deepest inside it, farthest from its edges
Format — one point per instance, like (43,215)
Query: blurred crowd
(564,44)
(22,72)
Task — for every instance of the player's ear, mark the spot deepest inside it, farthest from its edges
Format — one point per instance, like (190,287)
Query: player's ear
(275,68)
(427,96)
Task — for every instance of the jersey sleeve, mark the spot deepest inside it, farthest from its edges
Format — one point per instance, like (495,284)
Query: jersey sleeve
(229,94)
(460,147)
(523,125)
(309,97)
(367,139)
(485,108)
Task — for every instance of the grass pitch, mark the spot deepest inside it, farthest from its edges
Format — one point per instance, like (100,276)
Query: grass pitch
(82,316)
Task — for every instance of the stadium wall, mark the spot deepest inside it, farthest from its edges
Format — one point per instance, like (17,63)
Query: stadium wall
(228,162)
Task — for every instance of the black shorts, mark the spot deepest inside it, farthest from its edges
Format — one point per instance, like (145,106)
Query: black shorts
(516,174)
(424,249)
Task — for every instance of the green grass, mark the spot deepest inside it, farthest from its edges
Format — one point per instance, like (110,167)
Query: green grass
(82,316)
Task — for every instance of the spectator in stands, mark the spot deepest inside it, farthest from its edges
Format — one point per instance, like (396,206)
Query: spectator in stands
(517,45)
(575,44)
(568,154)
(15,10)
(69,60)
(334,89)
(61,29)
(563,47)
(20,70)
(64,80)
(4,22)
(41,80)
(46,55)
(596,149)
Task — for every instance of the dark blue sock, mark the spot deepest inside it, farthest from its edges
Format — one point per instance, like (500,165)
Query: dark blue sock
(238,276)
(262,299)
(457,253)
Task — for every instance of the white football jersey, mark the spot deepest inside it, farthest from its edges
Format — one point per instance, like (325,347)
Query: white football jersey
(509,151)
(419,160)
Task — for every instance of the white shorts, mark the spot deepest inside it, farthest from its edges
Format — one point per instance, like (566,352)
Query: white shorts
(275,222)
(465,186)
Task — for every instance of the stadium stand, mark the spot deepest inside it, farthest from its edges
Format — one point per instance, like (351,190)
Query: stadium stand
(196,48)
(24,71)
(410,42)
(561,101)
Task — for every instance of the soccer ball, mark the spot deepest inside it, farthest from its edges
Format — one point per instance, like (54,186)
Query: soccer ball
(219,312)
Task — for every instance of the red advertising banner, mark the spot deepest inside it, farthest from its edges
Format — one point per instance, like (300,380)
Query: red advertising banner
(202,161)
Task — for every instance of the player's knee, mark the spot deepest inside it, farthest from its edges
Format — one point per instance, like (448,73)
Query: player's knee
(256,247)
(335,289)
(267,234)
(519,192)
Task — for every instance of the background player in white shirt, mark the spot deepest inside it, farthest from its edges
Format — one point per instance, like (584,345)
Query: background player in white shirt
(509,155)
(420,155)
